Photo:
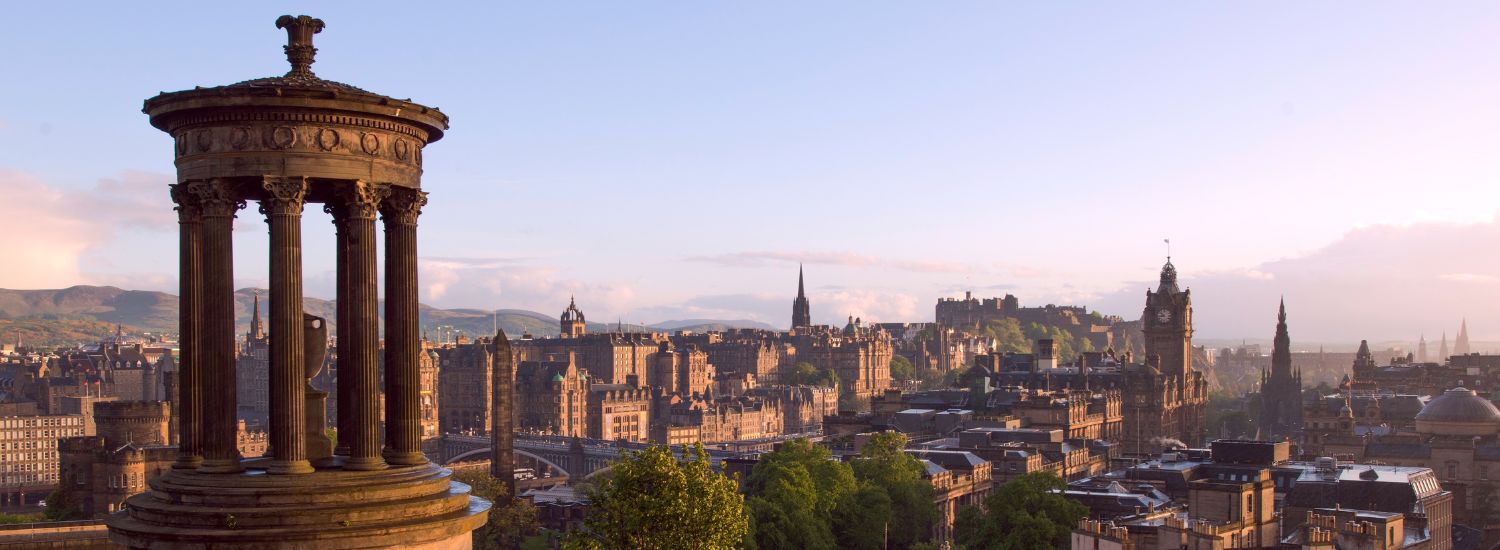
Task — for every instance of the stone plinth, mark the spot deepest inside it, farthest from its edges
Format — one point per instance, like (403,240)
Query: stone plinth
(412,507)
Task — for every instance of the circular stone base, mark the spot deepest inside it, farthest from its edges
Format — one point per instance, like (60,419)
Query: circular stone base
(415,506)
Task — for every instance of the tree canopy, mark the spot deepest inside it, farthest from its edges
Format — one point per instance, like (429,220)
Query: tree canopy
(511,521)
(901,369)
(800,497)
(1022,514)
(804,373)
(792,494)
(1012,336)
(650,499)
(884,468)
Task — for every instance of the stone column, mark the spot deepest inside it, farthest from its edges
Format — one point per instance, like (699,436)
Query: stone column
(215,335)
(344,400)
(189,409)
(282,206)
(403,435)
(359,331)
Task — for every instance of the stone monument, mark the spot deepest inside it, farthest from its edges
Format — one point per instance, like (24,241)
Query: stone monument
(285,142)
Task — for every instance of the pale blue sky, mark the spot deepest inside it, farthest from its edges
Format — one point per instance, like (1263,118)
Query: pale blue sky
(670,160)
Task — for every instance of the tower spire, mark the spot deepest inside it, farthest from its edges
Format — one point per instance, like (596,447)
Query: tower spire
(801,308)
(1461,343)
(800,289)
(257,330)
(1281,351)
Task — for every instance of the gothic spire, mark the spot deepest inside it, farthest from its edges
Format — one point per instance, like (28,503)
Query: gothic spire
(801,308)
(1461,343)
(257,330)
(1281,352)
(800,292)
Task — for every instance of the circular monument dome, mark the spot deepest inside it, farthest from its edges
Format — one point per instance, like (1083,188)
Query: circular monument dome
(1459,411)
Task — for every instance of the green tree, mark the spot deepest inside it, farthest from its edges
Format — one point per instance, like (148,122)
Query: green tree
(1022,514)
(1007,334)
(901,368)
(852,402)
(805,373)
(60,507)
(933,378)
(511,521)
(906,511)
(793,493)
(650,500)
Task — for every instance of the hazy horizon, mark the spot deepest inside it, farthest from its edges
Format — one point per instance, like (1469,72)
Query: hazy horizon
(682,162)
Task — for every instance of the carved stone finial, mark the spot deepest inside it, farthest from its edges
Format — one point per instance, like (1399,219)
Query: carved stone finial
(299,42)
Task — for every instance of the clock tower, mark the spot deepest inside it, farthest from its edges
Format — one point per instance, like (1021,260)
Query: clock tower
(1168,324)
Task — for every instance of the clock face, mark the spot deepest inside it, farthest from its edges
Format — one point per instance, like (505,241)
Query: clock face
(1163,315)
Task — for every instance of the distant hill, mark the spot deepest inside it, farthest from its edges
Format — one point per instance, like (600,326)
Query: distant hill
(705,325)
(83,314)
(143,310)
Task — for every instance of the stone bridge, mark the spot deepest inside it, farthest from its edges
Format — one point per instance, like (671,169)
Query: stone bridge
(574,457)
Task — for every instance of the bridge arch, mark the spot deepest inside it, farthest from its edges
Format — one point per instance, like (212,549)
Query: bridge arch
(485,452)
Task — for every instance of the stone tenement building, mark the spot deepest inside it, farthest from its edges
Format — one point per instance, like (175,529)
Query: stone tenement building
(680,370)
(618,412)
(551,397)
(758,355)
(29,454)
(287,142)
(611,358)
(861,357)
(1281,389)
(723,419)
(555,397)
(464,386)
(803,408)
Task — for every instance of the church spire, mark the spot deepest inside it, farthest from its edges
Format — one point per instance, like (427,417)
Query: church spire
(1461,343)
(801,308)
(257,330)
(800,289)
(1281,351)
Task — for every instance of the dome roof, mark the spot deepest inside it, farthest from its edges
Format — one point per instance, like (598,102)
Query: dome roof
(1459,411)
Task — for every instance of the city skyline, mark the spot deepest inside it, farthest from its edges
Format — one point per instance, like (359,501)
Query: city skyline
(1346,159)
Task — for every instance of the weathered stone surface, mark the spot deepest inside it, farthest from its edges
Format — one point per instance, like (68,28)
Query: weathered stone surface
(286,142)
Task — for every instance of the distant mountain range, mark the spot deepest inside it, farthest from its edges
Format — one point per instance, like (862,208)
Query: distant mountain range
(80,311)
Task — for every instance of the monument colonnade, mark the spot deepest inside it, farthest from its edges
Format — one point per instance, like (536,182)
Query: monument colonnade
(206,212)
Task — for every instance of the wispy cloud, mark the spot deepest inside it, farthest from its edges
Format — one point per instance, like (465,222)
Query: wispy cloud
(49,229)
(1376,282)
(1470,278)
(846,259)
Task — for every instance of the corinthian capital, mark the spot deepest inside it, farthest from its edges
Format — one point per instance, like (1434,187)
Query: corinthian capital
(283,195)
(402,206)
(362,199)
(188,209)
(215,197)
